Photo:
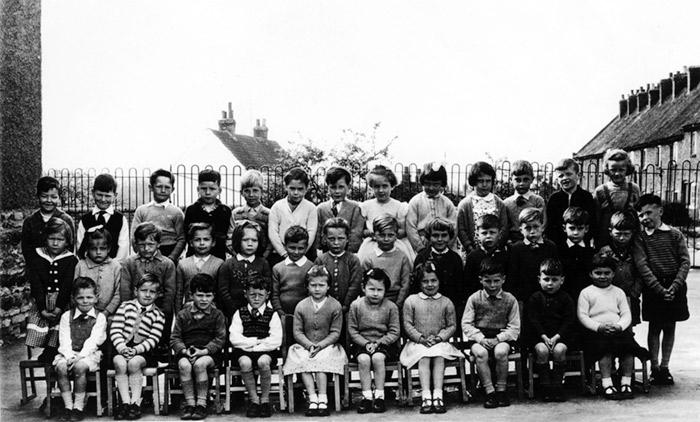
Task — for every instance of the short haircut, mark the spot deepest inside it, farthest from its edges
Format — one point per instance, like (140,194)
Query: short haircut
(95,233)
(209,175)
(146,229)
(624,220)
(491,266)
(336,223)
(602,260)
(296,173)
(565,163)
(553,267)
(442,225)
(616,154)
(577,216)
(104,183)
(376,274)
(46,183)
(84,283)
(647,199)
(529,215)
(57,225)
(149,277)
(428,266)
(522,168)
(198,226)
(488,221)
(477,169)
(384,222)
(438,174)
(161,173)
(239,231)
(317,271)
(336,173)
(381,171)
(251,178)
(296,234)
(258,282)
(204,283)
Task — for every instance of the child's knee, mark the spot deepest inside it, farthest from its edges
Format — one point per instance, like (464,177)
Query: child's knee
(264,362)
(479,352)
(364,360)
(378,359)
(501,351)
(245,364)
(80,368)
(202,364)
(184,366)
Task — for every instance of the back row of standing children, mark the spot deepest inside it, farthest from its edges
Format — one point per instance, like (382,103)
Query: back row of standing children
(382,233)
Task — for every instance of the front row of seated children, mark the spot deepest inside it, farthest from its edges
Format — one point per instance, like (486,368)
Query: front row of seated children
(491,322)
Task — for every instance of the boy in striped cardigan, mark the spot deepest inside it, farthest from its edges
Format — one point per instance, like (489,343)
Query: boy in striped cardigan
(136,330)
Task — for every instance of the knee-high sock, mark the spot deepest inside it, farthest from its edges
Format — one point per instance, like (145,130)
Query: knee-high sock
(543,371)
(265,382)
(202,392)
(123,387)
(249,381)
(188,391)
(136,384)
(558,374)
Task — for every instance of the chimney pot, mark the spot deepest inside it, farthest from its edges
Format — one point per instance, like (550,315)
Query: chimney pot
(227,122)
(632,104)
(693,77)
(623,107)
(260,131)
(665,89)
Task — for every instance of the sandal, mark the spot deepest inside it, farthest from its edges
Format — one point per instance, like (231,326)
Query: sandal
(611,393)
(426,406)
(312,410)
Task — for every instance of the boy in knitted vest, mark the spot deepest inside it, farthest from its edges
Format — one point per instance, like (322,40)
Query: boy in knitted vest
(256,335)
(197,340)
(82,331)
(491,323)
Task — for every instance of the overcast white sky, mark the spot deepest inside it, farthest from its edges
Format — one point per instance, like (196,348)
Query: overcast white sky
(137,83)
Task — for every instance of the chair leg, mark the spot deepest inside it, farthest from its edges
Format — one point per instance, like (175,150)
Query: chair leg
(156,395)
(290,392)
(645,377)
(583,373)
(280,389)
(409,387)
(98,389)
(110,398)
(23,381)
(166,394)
(346,387)
(227,387)
(336,389)
(48,395)
(519,374)
(401,392)
(463,380)
(530,375)
(217,395)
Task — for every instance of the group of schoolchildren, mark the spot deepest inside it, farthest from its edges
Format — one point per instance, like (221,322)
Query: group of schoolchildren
(346,280)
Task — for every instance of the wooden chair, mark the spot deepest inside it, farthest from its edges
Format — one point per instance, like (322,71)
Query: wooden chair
(93,378)
(27,375)
(391,366)
(460,377)
(173,387)
(233,371)
(571,356)
(151,374)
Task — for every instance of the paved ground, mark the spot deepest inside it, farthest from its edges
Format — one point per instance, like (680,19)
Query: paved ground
(675,403)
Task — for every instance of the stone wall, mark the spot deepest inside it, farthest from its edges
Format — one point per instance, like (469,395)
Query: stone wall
(15,297)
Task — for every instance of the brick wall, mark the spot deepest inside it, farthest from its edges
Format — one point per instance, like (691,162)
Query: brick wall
(15,297)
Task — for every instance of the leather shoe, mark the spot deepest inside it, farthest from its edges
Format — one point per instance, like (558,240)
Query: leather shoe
(264,410)
(379,406)
(134,412)
(490,402)
(200,412)
(365,406)
(439,406)
(426,407)
(186,413)
(253,410)
(77,415)
(502,399)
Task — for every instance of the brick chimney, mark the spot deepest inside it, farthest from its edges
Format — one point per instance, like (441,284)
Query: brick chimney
(623,107)
(643,98)
(227,123)
(680,82)
(260,131)
(632,103)
(666,88)
(693,77)
(654,96)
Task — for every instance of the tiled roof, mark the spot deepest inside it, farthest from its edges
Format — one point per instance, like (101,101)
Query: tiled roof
(660,124)
(250,151)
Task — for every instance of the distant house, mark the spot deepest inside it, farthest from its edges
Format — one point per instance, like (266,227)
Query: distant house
(250,151)
(660,127)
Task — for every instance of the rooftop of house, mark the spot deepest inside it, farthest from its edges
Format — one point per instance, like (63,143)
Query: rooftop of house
(251,151)
(657,115)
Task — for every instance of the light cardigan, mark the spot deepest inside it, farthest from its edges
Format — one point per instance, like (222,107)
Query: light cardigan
(465,221)
(421,211)
(425,316)
(282,218)
(321,327)
(107,275)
